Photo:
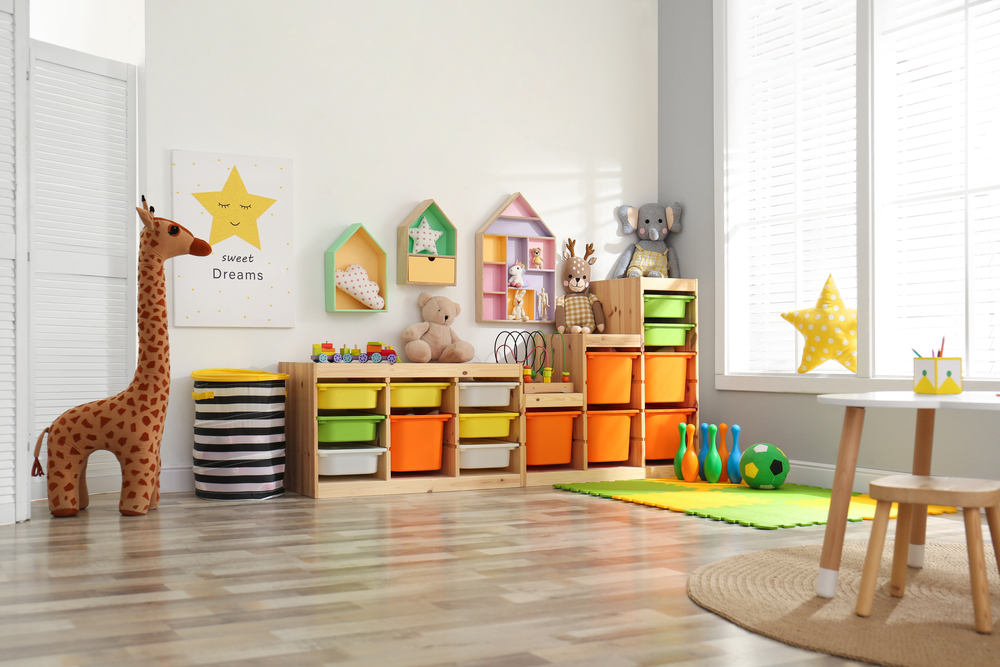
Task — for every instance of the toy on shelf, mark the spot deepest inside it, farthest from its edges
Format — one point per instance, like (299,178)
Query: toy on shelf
(514,250)
(376,352)
(516,272)
(426,243)
(129,424)
(434,339)
(518,313)
(764,466)
(578,311)
(650,257)
(543,304)
(355,281)
(538,356)
(355,273)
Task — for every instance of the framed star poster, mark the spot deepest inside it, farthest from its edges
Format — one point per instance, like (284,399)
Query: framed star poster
(243,207)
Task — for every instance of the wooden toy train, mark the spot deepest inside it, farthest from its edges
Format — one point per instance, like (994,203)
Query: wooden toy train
(375,352)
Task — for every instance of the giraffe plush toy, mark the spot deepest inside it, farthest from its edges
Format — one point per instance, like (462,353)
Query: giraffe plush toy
(130,424)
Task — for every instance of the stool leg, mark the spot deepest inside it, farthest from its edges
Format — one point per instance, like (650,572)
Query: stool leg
(897,585)
(993,518)
(869,576)
(977,571)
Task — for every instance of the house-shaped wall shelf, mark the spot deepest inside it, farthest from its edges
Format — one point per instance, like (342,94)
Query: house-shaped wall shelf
(515,233)
(355,246)
(424,267)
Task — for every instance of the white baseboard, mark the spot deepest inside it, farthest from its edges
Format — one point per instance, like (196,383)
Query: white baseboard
(821,474)
(107,478)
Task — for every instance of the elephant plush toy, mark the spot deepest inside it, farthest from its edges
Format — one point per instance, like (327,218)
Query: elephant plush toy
(650,257)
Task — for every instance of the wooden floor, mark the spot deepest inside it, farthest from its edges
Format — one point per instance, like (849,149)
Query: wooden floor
(507,578)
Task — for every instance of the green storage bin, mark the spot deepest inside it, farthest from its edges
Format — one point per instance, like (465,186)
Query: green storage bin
(665,305)
(663,333)
(348,428)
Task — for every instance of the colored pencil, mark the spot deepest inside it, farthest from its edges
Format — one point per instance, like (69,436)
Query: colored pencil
(917,353)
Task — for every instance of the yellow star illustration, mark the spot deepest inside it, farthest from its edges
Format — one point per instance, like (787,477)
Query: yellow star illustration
(830,330)
(234,211)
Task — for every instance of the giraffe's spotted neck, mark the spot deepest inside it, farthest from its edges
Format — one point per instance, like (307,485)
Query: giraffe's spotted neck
(153,366)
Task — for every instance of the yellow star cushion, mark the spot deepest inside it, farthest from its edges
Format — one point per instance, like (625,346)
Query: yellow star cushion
(830,330)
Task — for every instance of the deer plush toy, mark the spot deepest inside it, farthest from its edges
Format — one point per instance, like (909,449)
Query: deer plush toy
(578,310)
(130,424)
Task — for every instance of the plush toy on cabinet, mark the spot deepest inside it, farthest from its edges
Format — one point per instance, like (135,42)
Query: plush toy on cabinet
(650,257)
(516,275)
(434,339)
(578,311)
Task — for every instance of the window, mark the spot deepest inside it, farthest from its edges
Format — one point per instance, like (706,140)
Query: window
(858,139)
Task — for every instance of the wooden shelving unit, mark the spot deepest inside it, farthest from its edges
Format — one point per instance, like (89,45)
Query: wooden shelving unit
(508,237)
(624,312)
(301,432)
(424,268)
(354,246)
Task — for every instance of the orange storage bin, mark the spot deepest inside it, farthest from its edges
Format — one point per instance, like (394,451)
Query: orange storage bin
(662,435)
(416,442)
(666,376)
(550,437)
(608,434)
(609,376)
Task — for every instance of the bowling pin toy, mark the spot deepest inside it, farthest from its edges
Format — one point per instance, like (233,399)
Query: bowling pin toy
(713,464)
(702,451)
(689,466)
(723,454)
(679,454)
(733,466)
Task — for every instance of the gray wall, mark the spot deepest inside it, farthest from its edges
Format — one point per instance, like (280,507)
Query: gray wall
(966,442)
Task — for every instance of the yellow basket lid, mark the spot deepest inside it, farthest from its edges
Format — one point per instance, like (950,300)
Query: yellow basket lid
(235,375)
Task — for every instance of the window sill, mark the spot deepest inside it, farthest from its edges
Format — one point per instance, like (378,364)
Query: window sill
(816,383)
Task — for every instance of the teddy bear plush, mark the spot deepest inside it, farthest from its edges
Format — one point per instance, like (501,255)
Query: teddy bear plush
(434,339)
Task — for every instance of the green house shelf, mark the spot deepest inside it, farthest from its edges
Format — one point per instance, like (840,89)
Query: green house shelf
(354,246)
(424,267)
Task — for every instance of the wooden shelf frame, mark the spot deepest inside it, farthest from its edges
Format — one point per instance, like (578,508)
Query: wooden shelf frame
(418,268)
(301,432)
(355,246)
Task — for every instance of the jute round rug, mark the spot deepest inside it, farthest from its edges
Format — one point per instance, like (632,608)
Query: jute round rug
(772,593)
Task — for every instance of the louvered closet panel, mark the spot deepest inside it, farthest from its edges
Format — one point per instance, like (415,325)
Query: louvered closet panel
(8,387)
(6,125)
(791,171)
(84,231)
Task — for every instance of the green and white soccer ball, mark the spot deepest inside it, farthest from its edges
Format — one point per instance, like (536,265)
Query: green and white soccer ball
(764,466)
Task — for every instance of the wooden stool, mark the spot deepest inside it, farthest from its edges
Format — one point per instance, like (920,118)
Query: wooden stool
(910,490)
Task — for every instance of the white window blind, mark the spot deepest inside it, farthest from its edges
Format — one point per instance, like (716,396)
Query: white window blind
(790,183)
(937,185)
(84,230)
(790,187)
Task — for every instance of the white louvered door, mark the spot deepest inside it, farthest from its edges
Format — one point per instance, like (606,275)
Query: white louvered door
(84,228)
(14,460)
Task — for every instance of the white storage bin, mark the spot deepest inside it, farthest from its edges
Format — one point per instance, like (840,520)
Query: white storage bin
(351,459)
(485,455)
(485,394)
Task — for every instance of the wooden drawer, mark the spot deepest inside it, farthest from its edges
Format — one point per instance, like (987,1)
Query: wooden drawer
(431,270)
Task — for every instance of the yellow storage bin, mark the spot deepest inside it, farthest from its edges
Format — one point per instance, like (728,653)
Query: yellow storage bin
(416,394)
(485,424)
(348,396)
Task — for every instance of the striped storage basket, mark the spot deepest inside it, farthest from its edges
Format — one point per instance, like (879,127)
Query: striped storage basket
(239,434)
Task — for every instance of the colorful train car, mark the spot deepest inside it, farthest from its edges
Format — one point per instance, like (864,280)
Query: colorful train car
(375,352)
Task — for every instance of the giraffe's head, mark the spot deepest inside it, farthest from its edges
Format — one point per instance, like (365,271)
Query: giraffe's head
(166,239)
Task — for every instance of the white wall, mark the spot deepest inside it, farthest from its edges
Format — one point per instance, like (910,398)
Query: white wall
(966,442)
(108,28)
(383,104)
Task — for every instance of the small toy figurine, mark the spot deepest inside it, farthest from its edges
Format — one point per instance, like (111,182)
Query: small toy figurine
(518,311)
(536,258)
(543,304)
(516,275)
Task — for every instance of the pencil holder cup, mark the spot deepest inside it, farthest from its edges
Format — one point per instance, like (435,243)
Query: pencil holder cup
(937,375)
